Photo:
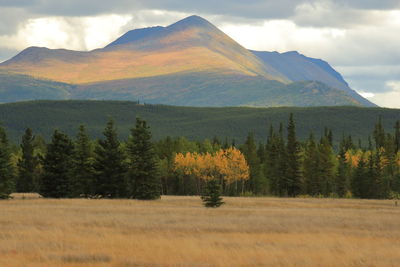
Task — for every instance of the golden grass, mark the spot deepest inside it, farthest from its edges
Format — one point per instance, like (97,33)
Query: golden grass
(178,231)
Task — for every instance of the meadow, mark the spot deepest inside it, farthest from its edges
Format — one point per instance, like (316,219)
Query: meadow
(179,231)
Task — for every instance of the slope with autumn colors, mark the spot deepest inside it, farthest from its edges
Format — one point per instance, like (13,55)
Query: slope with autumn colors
(190,62)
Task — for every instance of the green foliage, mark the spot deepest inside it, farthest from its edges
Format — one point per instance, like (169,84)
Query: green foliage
(58,167)
(212,195)
(360,183)
(312,182)
(6,168)
(144,182)
(83,180)
(275,161)
(109,165)
(28,165)
(250,151)
(326,164)
(190,122)
(283,167)
(292,182)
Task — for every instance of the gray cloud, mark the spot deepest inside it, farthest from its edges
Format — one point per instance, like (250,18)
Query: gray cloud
(251,9)
(372,78)
(370,4)
(10,19)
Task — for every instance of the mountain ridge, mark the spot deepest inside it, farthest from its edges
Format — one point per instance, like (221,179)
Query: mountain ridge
(190,47)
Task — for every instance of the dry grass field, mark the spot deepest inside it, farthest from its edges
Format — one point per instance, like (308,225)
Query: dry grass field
(178,231)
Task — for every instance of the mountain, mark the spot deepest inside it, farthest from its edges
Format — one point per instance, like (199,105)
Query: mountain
(298,67)
(190,62)
(23,87)
(196,123)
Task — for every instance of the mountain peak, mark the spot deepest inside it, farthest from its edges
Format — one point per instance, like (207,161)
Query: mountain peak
(159,31)
(192,21)
(137,34)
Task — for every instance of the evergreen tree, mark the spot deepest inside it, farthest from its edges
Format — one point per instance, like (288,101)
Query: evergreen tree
(312,183)
(27,180)
(212,195)
(6,169)
(379,134)
(144,182)
(275,161)
(83,180)
(249,150)
(57,167)
(292,181)
(261,152)
(271,161)
(359,185)
(326,166)
(109,165)
(397,136)
(378,183)
(343,170)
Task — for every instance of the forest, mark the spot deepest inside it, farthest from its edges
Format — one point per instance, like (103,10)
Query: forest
(143,168)
(195,123)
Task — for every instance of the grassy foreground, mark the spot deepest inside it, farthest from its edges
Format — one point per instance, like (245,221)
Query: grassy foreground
(178,231)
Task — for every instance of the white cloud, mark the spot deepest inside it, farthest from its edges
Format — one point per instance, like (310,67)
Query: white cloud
(283,35)
(389,99)
(366,94)
(80,33)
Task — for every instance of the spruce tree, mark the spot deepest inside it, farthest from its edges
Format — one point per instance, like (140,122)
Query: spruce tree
(83,181)
(292,182)
(379,134)
(212,195)
(27,180)
(57,167)
(397,136)
(6,169)
(249,149)
(109,165)
(326,166)
(144,181)
(312,183)
(271,161)
(359,185)
(343,170)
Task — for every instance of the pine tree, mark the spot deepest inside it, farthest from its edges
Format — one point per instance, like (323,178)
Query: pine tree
(293,175)
(110,169)
(212,195)
(6,169)
(144,181)
(57,167)
(83,180)
(27,180)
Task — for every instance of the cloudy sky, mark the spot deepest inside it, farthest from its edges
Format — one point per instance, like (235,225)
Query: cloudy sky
(359,38)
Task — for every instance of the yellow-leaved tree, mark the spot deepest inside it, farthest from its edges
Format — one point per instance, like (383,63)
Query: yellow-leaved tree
(228,166)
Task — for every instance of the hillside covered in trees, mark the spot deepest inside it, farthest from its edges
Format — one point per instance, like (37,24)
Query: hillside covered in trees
(191,122)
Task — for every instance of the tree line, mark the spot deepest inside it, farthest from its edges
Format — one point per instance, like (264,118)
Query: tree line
(142,169)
